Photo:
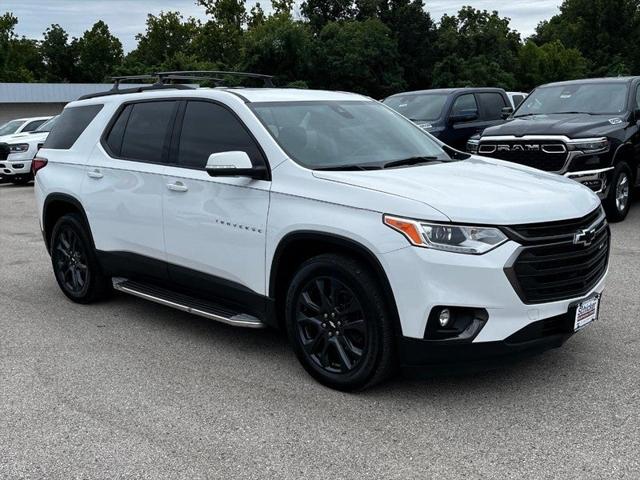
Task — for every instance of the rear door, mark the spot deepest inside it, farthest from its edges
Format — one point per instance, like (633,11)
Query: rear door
(124,185)
(215,227)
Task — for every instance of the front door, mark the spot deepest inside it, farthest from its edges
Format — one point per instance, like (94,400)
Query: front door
(215,227)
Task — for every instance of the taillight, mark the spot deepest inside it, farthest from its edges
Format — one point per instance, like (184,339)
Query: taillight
(38,163)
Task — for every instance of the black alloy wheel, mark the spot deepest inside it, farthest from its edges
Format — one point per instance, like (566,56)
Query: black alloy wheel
(74,261)
(339,324)
(70,260)
(331,325)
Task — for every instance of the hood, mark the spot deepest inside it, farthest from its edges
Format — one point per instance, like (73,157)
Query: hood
(570,125)
(479,190)
(24,137)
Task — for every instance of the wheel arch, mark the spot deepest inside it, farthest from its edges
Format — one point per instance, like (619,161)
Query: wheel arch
(297,247)
(626,153)
(55,206)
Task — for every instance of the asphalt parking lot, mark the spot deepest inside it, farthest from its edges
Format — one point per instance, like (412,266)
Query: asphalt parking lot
(130,389)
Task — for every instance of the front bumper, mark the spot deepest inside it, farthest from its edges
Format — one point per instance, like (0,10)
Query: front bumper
(422,279)
(597,180)
(421,358)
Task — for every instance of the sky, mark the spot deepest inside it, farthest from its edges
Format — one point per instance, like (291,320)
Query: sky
(126,18)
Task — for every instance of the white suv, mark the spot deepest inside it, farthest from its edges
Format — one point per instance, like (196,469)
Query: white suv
(17,152)
(326,214)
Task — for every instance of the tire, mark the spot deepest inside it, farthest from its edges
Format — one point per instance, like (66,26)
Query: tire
(618,200)
(74,262)
(339,324)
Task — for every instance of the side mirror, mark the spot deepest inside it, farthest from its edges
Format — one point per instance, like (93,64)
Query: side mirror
(233,164)
(463,117)
(506,112)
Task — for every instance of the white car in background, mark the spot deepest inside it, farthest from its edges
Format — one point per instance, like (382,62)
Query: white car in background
(516,98)
(17,151)
(21,125)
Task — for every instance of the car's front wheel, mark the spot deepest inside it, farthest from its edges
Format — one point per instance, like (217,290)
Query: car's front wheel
(339,324)
(74,261)
(618,200)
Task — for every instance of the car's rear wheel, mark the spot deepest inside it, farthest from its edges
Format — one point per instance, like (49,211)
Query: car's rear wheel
(618,200)
(74,262)
(339,324)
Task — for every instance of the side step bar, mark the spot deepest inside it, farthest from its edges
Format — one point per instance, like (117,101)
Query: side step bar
(186,303)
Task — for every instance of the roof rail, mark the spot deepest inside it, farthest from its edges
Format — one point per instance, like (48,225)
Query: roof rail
(267,79)
(163,81)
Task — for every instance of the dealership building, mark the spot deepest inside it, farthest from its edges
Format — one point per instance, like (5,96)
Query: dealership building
(19,100)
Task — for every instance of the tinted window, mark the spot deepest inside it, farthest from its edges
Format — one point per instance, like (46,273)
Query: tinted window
(209,128)
(70,125)
(114,139)
(464,104)
(517,100)
(146,131)
(638,98)
(418,107)
(31,126)
(48,125)
(492,105)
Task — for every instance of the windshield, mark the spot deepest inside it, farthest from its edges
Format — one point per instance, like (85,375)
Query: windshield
(592,98)
(46,126)
(339,134)
(10,128)
(418,106)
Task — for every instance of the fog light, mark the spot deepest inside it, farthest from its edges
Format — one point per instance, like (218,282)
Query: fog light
(444,317)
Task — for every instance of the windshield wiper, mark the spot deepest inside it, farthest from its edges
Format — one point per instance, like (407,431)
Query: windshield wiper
(528,115)
(576,113)
(355,167)
(411,161)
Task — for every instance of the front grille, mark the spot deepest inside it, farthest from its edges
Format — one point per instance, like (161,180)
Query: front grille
(551,266)
(4,151)
(548,155)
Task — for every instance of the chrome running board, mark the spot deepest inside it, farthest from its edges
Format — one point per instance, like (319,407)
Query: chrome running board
(186,303)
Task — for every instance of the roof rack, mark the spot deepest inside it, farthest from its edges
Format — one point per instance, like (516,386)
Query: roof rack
(198,74)
(163,81)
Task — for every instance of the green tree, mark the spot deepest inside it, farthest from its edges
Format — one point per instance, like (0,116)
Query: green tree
(321,12)
(220,39)
(358,57)
(256,16)
(58,55)
(166,35)
(280,46)
(606,32)
(282,7)
(476,48)
(416,36)
(99,53)
(550,62)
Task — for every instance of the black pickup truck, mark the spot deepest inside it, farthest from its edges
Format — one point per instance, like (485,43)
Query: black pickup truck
(587,130)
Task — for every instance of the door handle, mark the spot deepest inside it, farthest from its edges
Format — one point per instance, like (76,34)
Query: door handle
(95,173)
(177,187)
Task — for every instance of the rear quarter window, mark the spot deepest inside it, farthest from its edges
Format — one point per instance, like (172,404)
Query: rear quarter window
(70,125)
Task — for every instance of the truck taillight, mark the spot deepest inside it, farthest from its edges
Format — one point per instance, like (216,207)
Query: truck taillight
(38,163)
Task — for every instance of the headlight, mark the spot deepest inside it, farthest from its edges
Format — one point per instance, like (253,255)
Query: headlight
(472,146)
(19,147)
(451,238)
(589,145)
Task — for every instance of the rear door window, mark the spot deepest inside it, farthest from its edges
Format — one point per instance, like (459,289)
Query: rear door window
(70,125)
(210,128)
(145,136)
(491,105)
(31,126)
(517,100)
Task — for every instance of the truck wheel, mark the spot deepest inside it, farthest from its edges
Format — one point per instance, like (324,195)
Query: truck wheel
(74,262)
(339,324)
(618,200)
